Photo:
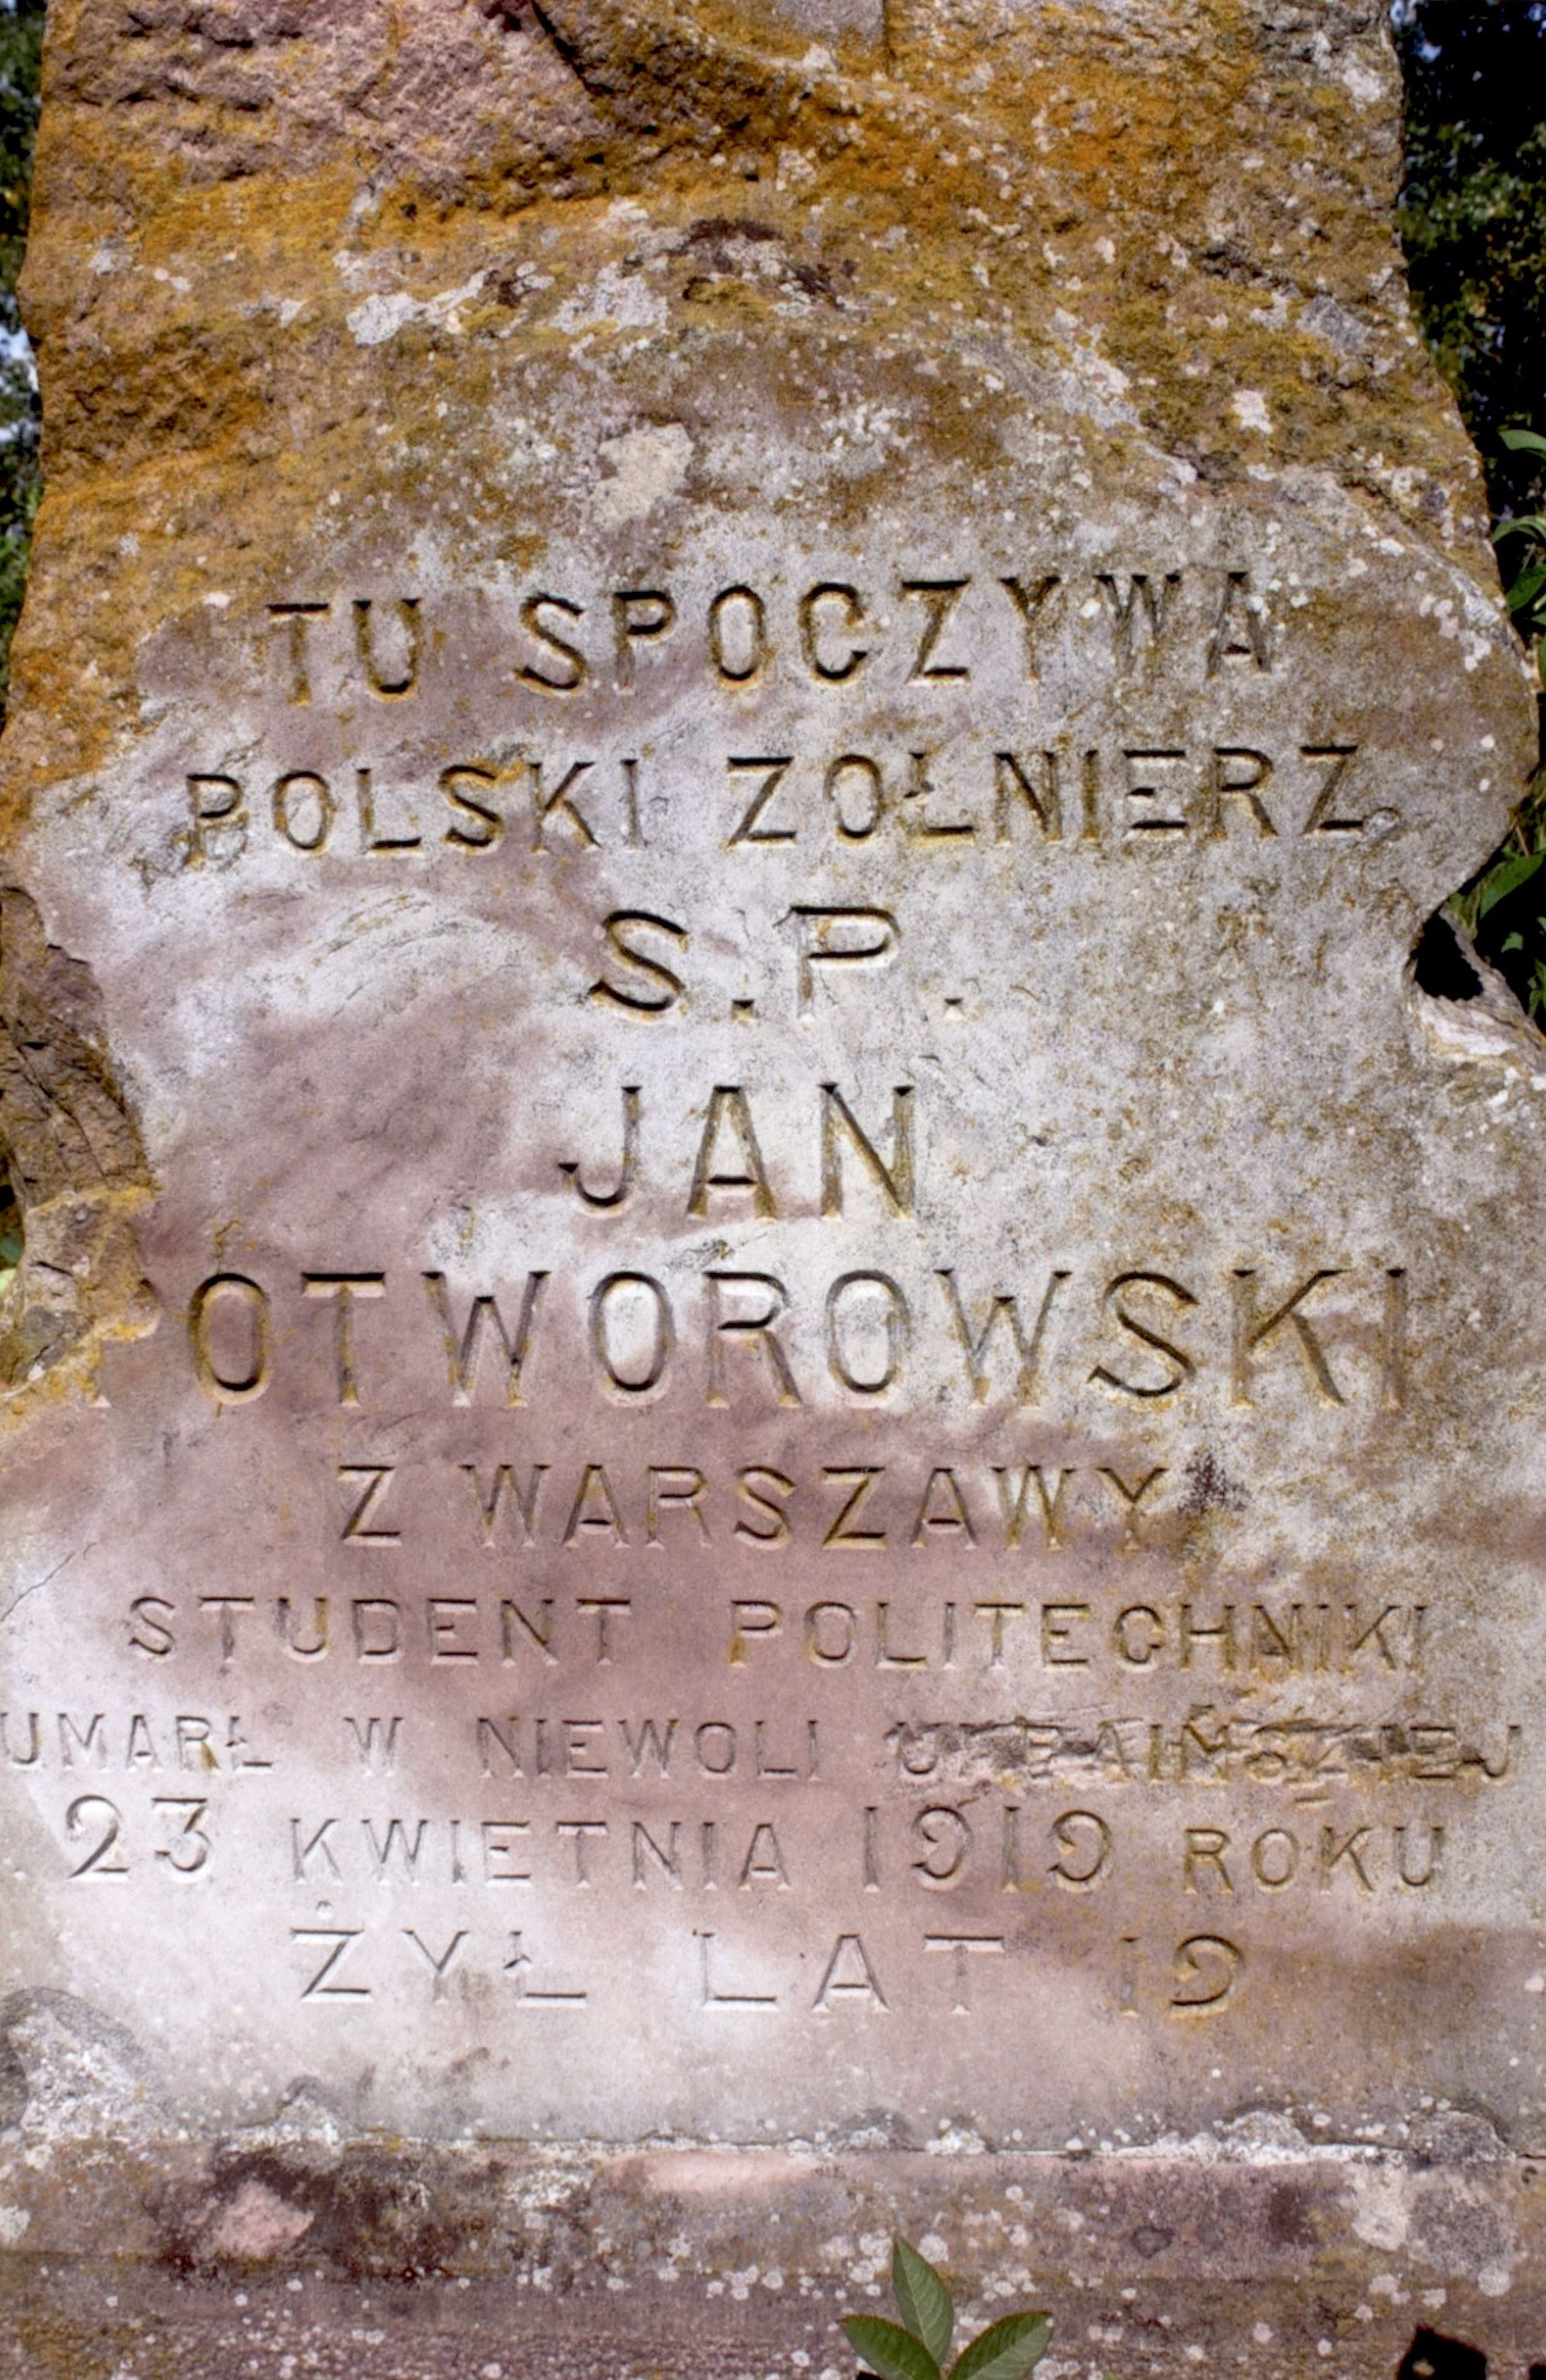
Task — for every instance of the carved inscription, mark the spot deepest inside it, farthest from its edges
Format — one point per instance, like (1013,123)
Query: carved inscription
(1055,799)
(673,1574)
(829,631)
(866,1569)
(1145,1339)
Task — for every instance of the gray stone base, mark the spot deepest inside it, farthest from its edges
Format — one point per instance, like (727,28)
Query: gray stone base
(391,2263)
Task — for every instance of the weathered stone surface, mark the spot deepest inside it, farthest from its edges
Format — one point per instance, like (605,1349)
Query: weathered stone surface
(774,1402)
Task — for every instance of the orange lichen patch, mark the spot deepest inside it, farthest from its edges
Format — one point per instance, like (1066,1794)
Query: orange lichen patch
(1045,195)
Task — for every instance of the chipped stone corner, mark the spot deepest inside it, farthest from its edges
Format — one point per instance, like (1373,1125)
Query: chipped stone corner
(76,1163)
(1479,1021)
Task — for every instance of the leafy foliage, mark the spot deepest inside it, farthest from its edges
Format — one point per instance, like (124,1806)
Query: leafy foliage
(1526,590)
(1473,213)
(916,2348)
(1503,907)
(924,2300)
(1473,217)
(21,24)
(1006,2351)
(888,2350)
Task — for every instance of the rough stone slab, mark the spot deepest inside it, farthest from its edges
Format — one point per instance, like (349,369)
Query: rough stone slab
(774,1424)
(734,2261)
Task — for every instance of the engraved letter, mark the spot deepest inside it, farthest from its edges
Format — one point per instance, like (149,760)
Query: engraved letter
(710,1997)
(637,616)
(877,929)
(1404,1870)
(750,830)
(407,678)
(1010,779)
(940,595)
(344,1288)
(213,801)
(848,599)
(664,1333)
(149,1635)
(544,805)
(1006,1308)
(728,1103)
(1240,630)
(244,1385)
(306,785)
(319,1988)
(296,617)
(1205,1849)
(861,826)
(573,667)
(377,1476)
(756,1327)
(617,1195)
(1028,603)
(896,1179)
(1084,1845)
(1250,1334)
(1322,818)
(461,1360)
(947,1841)
(762,1490)
(486,825)
(897,1328)
(639,1002)
(962,1945)
(1146,597)
(440,1966)
(848,1976)
(742,667)
(1179,1362)
(1333,1854)
(1206,1970)
(506,1483)
(1236,772)
(375,1740)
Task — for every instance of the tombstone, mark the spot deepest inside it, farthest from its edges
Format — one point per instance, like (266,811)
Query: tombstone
(773,1410)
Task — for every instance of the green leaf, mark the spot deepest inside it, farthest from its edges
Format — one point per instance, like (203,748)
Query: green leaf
(1500,881)
(923,2298)
(1523,523)
(1523,442)
(1526,588)
(1007,2349)
(886,2349)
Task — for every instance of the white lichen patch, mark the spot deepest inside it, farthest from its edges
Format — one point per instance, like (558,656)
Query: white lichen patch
(380,316)
(647,465)
(615,300)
